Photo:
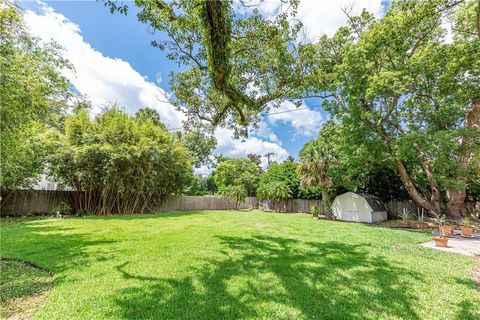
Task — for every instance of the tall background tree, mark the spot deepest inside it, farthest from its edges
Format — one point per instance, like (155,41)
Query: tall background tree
(415,92)
(237,172)
(33,96)
(407,89)
(236,66)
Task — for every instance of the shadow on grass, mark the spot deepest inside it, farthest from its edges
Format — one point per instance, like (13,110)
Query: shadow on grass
(23,286)
(145,216)
(273,277)
(52,247)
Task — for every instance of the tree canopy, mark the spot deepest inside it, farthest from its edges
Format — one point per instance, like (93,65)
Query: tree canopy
(237,172)
(33,96)
(400,83)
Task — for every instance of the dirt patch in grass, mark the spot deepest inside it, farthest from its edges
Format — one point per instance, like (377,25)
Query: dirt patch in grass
(23,287)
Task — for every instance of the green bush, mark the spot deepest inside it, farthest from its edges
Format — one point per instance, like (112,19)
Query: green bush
(122,164)
(314,211)
(61,209)
(276,191)
(284,173)
(236,194)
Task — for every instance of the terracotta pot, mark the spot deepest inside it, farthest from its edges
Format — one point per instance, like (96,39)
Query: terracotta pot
(467,231)
(423,225)
(447,230)
(441,241)
(334,217)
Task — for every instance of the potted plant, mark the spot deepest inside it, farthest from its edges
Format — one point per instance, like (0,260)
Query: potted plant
(467,229)
(441,241)
(334,217)
(438,235)
(447,229)
(314,211)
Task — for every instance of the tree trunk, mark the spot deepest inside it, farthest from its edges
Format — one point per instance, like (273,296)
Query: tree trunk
(325,200)
(456,196)
(456,202)
(412,190)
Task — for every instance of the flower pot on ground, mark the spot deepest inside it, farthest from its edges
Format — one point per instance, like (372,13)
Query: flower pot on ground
(422,225)
(441,241)
(334,217)
(466,228)
(447,229)
(467,231)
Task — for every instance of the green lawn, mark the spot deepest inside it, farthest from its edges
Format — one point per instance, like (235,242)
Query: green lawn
(23,287)
(248,265)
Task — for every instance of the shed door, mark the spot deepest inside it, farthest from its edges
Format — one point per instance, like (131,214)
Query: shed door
(354,208)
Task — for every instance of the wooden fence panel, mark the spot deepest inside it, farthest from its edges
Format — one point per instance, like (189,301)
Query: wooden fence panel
(45,201)
(292,205)
(33,201)
(396,207)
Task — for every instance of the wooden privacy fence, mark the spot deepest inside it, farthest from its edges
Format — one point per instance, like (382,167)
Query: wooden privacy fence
(396,207)
(33,201)
(187,203)
(292,205)
(44,201)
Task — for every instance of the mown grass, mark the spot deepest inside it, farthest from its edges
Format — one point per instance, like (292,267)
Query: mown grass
(23,287)
(240,265)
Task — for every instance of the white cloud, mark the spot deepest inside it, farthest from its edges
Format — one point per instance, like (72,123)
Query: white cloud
(103,79)
(305,121)
(319,16)
(264,131)
(107,79)
(233,148)
(236,148)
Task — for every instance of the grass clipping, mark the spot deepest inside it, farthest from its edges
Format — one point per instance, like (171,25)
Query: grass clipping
(23,287)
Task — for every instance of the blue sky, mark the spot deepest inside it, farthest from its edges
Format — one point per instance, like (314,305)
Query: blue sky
(115,62)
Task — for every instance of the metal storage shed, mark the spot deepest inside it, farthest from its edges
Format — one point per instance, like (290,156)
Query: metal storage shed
(356,207)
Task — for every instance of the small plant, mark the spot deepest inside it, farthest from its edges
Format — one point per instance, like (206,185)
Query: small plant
(61,209)
(314,211)
(466,222)
(83,213)
(442,222)
(439,220)
(407,216)
(467,229)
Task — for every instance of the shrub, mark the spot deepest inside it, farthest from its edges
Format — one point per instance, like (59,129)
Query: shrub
(61,209)
(314,211)
(276,191)
(236,194)
(122,164)
(284,173)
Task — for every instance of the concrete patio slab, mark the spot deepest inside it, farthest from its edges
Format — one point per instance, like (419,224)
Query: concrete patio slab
(458,244)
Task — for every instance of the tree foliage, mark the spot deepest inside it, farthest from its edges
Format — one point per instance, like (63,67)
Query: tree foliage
(235,193)
(398,82)
(200,186)
(284,173)
(32,95)
(235,64)
(237,172)
(122,164)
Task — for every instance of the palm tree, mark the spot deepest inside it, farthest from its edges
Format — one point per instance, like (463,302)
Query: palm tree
(316,158)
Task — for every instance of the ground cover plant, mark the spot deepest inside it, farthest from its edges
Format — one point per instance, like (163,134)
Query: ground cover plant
(249,265)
